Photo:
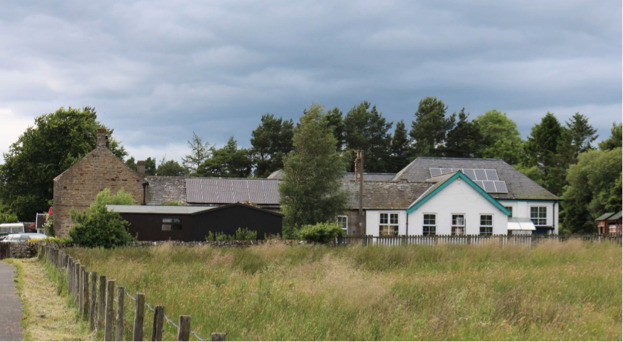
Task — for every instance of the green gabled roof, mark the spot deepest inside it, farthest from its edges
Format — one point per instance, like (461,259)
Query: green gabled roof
(443,184)
(603,216)
(609,216)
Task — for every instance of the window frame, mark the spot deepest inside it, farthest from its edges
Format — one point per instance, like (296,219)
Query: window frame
(428,228)
(540,219)
(486,228)
(171,224)
(458,226)
(389,224)
(345,225)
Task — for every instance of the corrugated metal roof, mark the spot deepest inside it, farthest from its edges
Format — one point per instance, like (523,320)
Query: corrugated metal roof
(157,209)
(603,216)
(232,190)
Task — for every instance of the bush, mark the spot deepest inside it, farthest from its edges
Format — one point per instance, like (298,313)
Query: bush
(320,232)
(98,227)
(240,235)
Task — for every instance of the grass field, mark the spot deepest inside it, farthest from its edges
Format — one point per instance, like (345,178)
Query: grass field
(556,291)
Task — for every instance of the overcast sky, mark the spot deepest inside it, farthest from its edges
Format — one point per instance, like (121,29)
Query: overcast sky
(156,71)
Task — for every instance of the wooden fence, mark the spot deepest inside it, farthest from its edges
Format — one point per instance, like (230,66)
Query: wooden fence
(499,240)
(95,297)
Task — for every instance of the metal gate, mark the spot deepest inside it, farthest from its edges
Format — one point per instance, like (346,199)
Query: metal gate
(5,250)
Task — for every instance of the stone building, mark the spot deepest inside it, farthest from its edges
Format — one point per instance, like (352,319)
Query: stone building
(100,169)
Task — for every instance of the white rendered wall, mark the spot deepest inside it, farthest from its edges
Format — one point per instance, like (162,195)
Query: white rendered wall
(522,209)
(458,198)
(373,221)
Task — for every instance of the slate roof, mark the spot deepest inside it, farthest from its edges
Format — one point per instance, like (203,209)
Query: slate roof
(348,176)
(232,190)
(384,195)
(519,186)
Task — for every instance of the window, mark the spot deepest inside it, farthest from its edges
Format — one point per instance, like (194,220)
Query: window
(612,228)
(486,225)
(538,215)
(458,225)
(342,220)
(169,224)
(388,224)
(429,225)
(511,210)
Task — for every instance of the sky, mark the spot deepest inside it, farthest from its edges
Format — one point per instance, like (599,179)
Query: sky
(157,71)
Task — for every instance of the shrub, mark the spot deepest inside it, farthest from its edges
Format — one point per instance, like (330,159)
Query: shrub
(246,234)
(240,235)
(48,226)
(98,227)
(320,232)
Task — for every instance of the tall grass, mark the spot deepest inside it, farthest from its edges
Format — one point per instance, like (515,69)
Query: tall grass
(556,291)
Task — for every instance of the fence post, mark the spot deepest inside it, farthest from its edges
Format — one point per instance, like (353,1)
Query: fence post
(76,281)
(219,336)
(156,334)
(109,311)
(139,314)
(101,303)
(183,330)
(93,310)
(69,276)
(85,294)
(119,326)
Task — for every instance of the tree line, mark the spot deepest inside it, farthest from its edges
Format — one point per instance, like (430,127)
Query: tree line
(553,154)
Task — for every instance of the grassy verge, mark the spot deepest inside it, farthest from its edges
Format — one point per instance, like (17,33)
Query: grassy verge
(47,316)
(556,291)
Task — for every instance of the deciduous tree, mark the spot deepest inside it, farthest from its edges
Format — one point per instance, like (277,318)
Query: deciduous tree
(499,137)
(311,187)
(594,187)
(170,168)
(228,161)
(54,143)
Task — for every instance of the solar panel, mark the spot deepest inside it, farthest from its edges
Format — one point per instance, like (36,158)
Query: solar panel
(492,174)
(480,174)
(480,184)
(489,186)
(470,173)
(500,187)
(435,172)
(446,170)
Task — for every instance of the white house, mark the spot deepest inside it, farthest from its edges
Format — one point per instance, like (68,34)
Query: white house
(457,196)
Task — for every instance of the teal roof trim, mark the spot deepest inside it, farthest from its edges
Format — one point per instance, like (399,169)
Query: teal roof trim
(448,181)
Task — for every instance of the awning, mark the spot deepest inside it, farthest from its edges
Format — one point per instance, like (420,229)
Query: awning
(520,223)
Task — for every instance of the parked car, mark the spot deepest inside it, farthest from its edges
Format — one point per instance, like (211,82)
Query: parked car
(20,237)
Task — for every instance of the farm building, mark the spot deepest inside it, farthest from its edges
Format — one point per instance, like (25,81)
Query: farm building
(609,223)
(194,223)
(430,196)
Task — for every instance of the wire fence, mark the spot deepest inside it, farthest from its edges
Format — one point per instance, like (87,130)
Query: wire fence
(96,303)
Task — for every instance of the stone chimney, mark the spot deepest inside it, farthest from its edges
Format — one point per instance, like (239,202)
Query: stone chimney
(102,139)
(140,168)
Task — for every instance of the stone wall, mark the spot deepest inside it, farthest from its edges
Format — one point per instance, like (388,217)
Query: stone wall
(21,250)
(78,185)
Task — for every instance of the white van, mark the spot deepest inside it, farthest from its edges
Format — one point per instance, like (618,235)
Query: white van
(10,228)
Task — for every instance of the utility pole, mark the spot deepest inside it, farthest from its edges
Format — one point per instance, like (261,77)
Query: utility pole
(359,177)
